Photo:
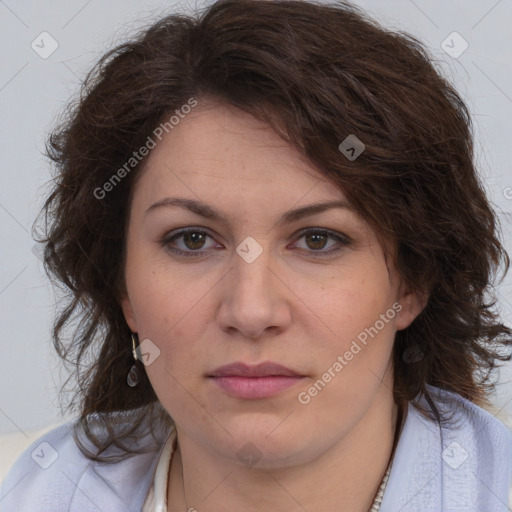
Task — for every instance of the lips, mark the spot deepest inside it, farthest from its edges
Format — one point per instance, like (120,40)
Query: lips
(268,369)
(264,380)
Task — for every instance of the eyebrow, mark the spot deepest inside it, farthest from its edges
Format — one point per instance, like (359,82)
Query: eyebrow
(208,212)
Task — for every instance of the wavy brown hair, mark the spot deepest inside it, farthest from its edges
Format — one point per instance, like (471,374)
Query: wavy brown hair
(316,73)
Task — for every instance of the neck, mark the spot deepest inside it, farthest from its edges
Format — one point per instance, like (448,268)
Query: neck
(345,477)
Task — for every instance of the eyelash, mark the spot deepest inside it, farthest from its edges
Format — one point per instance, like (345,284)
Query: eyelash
(343,241)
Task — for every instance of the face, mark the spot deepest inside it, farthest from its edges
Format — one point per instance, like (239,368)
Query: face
(250,282)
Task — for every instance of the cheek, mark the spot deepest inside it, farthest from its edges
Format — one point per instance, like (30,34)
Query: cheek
(359,321)
(172,310)
(349,303)
(353,360)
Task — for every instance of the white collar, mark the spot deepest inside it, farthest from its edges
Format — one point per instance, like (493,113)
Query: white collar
(156,500)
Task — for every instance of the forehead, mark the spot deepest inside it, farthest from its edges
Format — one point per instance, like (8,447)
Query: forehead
(219,152)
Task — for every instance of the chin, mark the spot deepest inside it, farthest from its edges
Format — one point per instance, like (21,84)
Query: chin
(266,444)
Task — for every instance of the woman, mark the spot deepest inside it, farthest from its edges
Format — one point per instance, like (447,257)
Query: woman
(279,256)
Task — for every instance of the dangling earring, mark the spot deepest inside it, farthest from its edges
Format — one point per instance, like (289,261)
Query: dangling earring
(133,378)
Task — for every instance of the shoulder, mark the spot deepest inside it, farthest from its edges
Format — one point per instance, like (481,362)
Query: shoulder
(472,423)
(463,464)
(476,453)
(53,474)
(54,457)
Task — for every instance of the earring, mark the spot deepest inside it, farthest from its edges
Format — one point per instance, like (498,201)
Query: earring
(133,378)
(135,342)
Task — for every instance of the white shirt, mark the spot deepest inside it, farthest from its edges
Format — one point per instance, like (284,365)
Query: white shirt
(156,500)
(465,466)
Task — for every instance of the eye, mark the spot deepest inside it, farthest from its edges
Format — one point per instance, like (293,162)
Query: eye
(316,240)
(191,242)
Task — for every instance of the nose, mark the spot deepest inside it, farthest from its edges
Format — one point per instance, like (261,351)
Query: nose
(255,298)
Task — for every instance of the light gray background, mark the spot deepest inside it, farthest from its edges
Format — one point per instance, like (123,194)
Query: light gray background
(34,90)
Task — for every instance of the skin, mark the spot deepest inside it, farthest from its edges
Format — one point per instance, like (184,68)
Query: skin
(291,305)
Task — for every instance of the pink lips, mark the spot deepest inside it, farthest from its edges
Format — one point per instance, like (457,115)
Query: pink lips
(259,381)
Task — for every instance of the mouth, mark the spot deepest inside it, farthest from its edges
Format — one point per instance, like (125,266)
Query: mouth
(257,381)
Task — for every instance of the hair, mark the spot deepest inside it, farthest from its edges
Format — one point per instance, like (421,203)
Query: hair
(316,73)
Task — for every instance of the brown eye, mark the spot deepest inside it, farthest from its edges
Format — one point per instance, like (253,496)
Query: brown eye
(317,239)
(194,240)
(187,242)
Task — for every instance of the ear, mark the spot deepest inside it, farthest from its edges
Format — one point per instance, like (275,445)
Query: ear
(126,306)
(412,303)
